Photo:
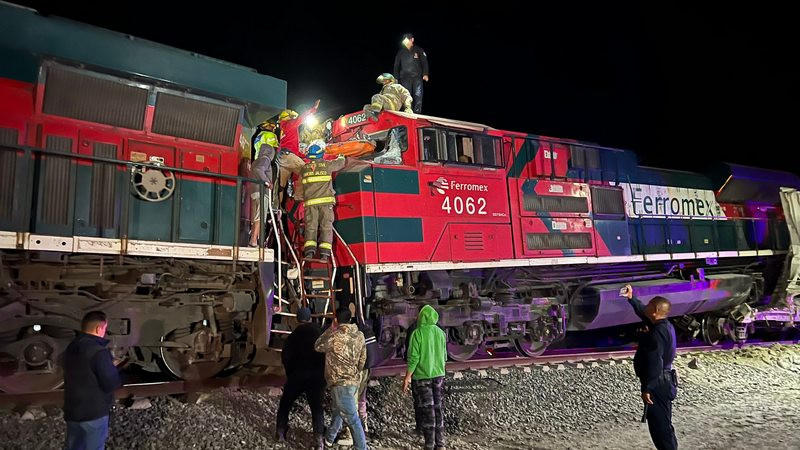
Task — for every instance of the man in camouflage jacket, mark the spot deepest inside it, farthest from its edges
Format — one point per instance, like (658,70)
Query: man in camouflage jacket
(345,356)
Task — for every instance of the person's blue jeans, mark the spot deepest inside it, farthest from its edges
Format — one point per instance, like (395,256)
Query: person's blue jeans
(89,435)
(345,408)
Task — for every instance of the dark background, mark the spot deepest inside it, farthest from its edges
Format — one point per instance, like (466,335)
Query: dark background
(683,86)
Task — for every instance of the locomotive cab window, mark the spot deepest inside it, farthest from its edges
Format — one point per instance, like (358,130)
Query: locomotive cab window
(388,143)
(449,146)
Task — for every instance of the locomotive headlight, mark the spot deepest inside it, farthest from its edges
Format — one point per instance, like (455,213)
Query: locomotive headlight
(311,121)
(37,328)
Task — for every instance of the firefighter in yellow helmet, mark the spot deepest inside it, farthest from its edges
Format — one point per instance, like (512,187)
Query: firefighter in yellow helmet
(316,178)
(393,97)
(265,134)
(290,158)
(265,143)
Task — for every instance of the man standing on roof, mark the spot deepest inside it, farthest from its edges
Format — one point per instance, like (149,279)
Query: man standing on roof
(411,67)
(392,97)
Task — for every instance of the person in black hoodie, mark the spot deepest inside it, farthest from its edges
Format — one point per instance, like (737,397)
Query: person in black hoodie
(90,379)
(411,69)
(305,374)
(371,343)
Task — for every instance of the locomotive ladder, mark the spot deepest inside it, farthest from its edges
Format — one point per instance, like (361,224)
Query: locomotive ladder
(311,291)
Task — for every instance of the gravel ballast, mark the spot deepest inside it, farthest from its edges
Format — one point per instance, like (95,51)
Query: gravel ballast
(744,398)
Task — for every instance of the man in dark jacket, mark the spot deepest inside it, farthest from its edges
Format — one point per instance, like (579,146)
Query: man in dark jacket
(653,366)
(371,343)
(90,379)
(411,69)
(305,374)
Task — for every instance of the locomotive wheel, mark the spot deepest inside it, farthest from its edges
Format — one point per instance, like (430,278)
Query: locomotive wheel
(458,352)
(526,347)
(386,345)
(196,361)
(711,329)
(32,364)
(384,353)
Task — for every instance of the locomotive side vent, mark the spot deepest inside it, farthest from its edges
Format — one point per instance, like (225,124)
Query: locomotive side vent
(102,204)
(55,198)
(195,119)
(84,97)
(8,166)
(608,200)
(558,241)
(551,203)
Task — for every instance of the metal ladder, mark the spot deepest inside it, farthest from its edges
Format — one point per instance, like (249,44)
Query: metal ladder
(329,293)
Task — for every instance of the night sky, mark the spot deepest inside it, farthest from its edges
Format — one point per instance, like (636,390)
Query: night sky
(680,85)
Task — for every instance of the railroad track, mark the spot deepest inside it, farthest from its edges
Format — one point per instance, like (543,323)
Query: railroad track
(393,368)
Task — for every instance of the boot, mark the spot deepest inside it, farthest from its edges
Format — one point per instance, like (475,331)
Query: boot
(372,113)
(309,253)
(324,255)
(345,438)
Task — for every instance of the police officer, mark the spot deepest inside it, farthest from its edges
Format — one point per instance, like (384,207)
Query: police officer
(653,365)
(393,97)
(411,68)
(316,178)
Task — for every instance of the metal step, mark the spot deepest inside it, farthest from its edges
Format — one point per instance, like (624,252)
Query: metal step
(316,277)
(317,260)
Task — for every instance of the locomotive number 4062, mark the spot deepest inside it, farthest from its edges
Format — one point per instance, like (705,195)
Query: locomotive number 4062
(461,205)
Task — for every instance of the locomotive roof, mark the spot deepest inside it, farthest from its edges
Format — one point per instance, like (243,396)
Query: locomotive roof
(24,31)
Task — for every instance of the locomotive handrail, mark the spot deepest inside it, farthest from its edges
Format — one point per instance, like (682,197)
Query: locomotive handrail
(27,187)
(704,218)
(77,156)
(359,296)
(559,141)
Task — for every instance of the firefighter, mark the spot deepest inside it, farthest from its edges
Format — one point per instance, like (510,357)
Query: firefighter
(319,199)
(291,159)
(392,97)
(263,153)
(313,131)
(265,134)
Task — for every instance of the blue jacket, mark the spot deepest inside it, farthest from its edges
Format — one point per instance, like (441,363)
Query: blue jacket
(90,379)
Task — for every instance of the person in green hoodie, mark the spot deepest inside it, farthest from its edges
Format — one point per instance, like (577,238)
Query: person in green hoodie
(427,354)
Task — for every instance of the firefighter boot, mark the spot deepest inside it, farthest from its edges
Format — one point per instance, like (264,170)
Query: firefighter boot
(372,112)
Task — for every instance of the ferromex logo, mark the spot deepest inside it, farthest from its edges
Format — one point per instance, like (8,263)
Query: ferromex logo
(441,185)
(643,200)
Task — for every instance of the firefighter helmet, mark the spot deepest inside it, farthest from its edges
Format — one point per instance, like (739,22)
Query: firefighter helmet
(316,149)
(384,77)
(287,114)
(267,125)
